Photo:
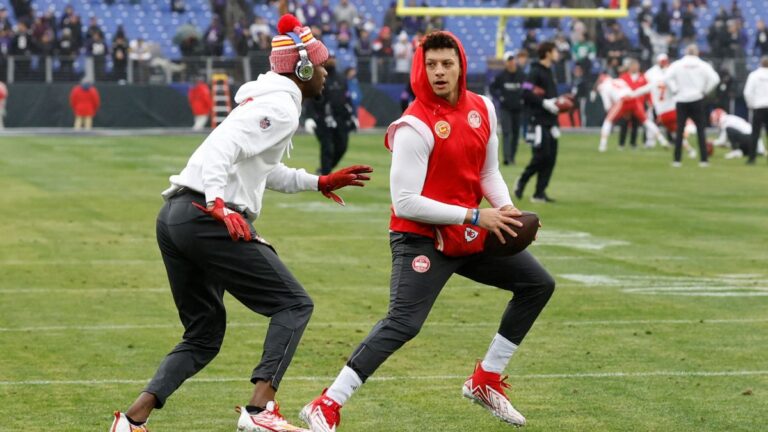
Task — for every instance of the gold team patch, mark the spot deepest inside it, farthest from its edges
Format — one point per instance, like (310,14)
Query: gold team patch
(474,119)
(442,129)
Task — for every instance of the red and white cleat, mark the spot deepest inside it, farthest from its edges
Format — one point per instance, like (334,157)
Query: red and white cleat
(121,424)
(322,414)
(269,420)
(487,389)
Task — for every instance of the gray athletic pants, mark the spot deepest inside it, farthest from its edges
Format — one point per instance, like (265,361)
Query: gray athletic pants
(415,285)
(202,262)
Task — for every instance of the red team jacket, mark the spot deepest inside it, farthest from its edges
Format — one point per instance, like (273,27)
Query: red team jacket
(636,84)
(461,136)
(200,100)
(84,102)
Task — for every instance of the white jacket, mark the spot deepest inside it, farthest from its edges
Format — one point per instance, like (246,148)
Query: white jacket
(241,157)
(691,78)
(756,89)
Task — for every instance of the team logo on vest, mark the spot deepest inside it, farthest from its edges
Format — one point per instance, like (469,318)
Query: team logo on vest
(474,119)
(421,264)
(442,129)
(265,123)
(470,235)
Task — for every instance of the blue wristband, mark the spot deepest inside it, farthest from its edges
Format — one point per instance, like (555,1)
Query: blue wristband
(475,216)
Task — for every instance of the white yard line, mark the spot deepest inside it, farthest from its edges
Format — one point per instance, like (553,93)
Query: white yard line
(355,324)
(650,374)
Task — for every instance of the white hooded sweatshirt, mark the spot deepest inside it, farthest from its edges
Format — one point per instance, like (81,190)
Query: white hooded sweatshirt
(242,156)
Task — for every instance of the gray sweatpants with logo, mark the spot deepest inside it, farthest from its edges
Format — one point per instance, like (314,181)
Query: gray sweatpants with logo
(202,262)
(419,273)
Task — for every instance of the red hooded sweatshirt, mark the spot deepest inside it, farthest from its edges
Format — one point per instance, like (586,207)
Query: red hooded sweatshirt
(84,102)
(200,100)
(461,134)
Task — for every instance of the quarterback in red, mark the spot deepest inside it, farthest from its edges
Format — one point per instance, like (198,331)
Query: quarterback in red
(444,162)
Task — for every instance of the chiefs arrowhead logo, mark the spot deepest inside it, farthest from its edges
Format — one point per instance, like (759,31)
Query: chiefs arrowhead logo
(470,235)
(442,129)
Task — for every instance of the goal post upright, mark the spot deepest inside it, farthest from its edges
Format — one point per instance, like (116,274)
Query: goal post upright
(504,13)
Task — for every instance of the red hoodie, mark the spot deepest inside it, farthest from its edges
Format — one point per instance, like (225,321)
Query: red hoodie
(200,100)
(461,136)
(84,102)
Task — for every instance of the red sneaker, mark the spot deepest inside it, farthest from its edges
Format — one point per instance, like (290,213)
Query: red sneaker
(487,389)
(322,414)
(269,420)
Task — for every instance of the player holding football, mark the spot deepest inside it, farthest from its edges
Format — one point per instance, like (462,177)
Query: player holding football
(444,162)
(618,103)
(210,246)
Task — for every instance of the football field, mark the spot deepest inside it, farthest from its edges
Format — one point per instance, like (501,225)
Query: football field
(659,321)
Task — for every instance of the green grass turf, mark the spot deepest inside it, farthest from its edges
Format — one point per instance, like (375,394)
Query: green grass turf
(78,250)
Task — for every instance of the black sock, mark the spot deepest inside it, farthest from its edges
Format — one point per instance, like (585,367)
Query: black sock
(134,422)
(253,410)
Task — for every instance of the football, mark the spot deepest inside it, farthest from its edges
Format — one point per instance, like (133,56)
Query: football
(710,148)
(525,236)
(565,103)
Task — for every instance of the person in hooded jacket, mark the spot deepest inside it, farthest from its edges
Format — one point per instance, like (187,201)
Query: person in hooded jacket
(85,101)
(208,242)
(444,162)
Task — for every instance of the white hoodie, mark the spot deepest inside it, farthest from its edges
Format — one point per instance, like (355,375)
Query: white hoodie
(241,157)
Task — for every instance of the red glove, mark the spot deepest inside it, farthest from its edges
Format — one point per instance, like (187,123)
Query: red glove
(236,225)
(349,176)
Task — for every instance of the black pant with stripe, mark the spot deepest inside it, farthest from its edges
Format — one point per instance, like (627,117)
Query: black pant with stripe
(696,112)
(202,263)
(419,273)
(759,121)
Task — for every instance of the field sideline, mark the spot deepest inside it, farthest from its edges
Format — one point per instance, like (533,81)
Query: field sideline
(658,322)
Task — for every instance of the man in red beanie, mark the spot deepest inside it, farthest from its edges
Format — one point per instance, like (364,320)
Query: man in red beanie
(208,242)
(444,162)
(85,102)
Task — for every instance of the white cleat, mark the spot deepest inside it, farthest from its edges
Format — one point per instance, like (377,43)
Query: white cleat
(734,154)
(602,148)
(677,164)
(121,424)
(323,414)
(703,164)
(269,420)
(487,390)
(692,154)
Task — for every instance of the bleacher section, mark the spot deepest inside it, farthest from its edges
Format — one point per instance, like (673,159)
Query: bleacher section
(153,20)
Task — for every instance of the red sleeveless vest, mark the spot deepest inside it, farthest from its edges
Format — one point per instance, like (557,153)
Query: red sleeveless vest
(461,136)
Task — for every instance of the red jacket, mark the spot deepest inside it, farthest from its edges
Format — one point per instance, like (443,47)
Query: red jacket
(84,102)
(636,84)
(200,99)
(461,136)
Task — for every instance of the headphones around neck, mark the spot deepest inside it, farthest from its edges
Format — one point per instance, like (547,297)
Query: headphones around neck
(304,67)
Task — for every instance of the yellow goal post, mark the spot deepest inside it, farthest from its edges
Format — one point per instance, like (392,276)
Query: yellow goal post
(504,13)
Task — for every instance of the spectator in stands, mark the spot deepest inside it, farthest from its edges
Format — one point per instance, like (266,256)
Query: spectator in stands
(725,93)
(3,98)
(761,38)
(97,49)
(119,33)
(583,53)
(403,53)
(46,45)
(383,53)
(644,13)
(214,38)
(617,47)
(533,22)
(392,19)
(22,10)
(261,33)
(346,12)
(85,101)
(309,13)
(178,6)
(354,91)
(662,19)
(688,30)
(200,102)
(67,52)
(5,22)
(243,40)
(507,89)
(120,59)
(561,67)
(76,28)
(432,23)
(531,41)
(413,24)
(219,8)
(363,45)
(93,29)
(140,55)
(6,39)
(326,17)
(343,35)
(188,38)
(21,49)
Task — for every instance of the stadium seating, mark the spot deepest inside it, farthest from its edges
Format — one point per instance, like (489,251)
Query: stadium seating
(153,20)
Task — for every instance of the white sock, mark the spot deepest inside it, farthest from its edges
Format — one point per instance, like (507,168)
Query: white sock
(760,146)
(605,132)
(346,384)
(498,354)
